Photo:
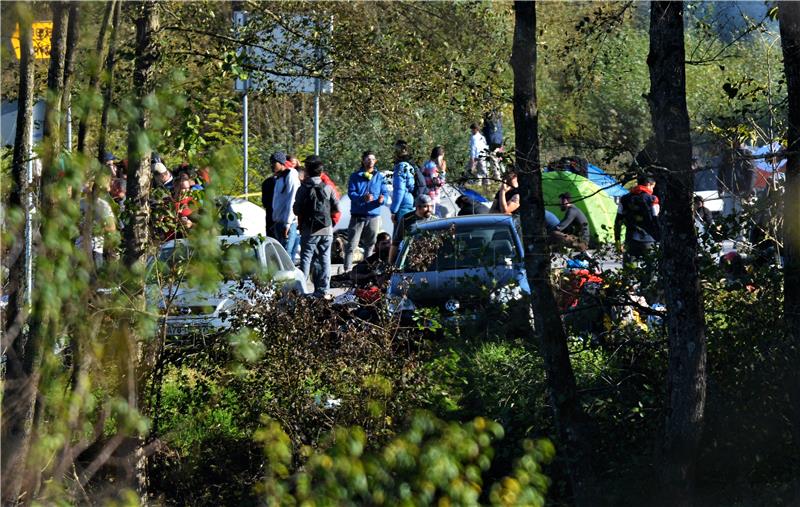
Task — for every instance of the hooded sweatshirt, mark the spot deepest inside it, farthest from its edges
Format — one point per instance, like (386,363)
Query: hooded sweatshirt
(286,185)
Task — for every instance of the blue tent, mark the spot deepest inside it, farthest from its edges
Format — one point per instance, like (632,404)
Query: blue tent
(603,180)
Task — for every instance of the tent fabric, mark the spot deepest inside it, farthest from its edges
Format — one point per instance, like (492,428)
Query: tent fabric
(598,206)
(605,181)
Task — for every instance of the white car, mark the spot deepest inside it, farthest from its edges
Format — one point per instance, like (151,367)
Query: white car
(190,310)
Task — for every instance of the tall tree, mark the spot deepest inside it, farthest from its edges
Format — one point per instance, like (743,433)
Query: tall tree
(571,421)
(686,375)
(18,384)
(73,34)
(108,89)
(789,19)
(97,69)
(139,152)
(55,87)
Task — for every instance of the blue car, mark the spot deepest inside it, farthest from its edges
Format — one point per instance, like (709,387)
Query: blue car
(459,266)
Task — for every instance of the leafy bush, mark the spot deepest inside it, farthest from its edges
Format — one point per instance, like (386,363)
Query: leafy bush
(431,462)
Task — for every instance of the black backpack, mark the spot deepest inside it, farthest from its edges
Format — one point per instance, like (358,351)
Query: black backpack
(638,213)
(317,209)
(419,182)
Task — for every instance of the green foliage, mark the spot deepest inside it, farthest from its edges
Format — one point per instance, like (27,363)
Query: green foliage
(432,461)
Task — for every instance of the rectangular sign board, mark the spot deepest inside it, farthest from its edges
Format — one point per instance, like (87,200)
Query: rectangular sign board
(42,33)
(285,59)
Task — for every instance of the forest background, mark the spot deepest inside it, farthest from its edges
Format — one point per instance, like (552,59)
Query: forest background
(421,71)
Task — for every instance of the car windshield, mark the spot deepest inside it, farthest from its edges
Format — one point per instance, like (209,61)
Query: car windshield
(461,247)
(237,260)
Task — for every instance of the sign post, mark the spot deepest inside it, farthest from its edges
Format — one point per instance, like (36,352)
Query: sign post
(284,61)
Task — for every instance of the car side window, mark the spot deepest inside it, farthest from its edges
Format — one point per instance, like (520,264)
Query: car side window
(276,261)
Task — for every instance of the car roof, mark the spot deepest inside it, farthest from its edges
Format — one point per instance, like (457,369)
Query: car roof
(231,240)
(467,220)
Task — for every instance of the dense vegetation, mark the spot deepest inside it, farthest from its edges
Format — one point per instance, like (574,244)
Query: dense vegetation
(303,402)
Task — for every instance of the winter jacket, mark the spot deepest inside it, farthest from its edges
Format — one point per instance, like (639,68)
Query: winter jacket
(403,189)
(361,184)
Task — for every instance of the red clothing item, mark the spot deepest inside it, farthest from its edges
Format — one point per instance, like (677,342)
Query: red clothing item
(638,189)
(335,216)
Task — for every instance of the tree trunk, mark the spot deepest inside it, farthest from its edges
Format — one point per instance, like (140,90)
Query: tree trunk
(17,385)
(789,19)
(137,228)
(94,79)
(138,195)
(571,422)
(55,87)
(109,85)
(686,375)
(73,34)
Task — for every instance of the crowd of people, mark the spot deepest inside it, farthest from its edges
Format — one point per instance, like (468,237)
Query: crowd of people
(173,200)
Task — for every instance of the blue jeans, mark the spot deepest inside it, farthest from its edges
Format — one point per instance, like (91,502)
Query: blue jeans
(290,243)
(315,252)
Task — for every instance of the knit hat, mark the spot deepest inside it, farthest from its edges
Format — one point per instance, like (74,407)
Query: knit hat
(423,200)
(279,157)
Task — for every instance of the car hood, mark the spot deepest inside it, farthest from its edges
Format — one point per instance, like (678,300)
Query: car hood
(184,296)
(459,284)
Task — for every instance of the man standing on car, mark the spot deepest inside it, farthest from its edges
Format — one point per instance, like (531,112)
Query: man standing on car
(286,184)
(423,210)
(314,206)
(368,193)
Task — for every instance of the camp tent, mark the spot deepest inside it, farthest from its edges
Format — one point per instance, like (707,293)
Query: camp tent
(605,181)
(598,206)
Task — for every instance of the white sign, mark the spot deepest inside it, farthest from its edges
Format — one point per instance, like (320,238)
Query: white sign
(9,125)
(285,59)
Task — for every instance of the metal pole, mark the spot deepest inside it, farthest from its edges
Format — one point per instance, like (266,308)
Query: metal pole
(69,128)
(29,223)
(244,136)
(316,118)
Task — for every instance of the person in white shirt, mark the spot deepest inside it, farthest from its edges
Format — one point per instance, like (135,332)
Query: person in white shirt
(287,182)
(478,149)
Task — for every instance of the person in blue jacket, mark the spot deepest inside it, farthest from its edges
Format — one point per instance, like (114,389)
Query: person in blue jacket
(403,182)
(368,192)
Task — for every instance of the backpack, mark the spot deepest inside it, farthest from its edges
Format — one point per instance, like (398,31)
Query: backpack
(638,213)
(419,181)
(317,209)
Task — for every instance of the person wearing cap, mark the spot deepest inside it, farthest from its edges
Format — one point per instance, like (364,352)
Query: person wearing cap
(163,176)
(315,206)
(423,211)
(573,230)
(368,193)
(287,182)
(110,161)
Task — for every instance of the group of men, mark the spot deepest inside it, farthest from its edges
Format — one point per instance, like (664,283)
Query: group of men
(302,208)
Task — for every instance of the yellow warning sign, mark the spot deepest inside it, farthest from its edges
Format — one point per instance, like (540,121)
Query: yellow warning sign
(42,32)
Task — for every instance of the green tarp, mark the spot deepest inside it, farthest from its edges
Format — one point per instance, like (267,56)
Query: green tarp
(597,205)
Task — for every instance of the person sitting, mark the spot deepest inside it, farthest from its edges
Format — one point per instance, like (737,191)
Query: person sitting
(507,199)
(423,211)
(468,206)
(701,212)
(372,271)
(573,230)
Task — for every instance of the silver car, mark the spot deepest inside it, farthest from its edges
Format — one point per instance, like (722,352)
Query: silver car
(188,310)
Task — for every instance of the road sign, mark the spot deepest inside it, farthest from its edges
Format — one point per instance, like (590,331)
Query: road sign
(42,33)
(284,59)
